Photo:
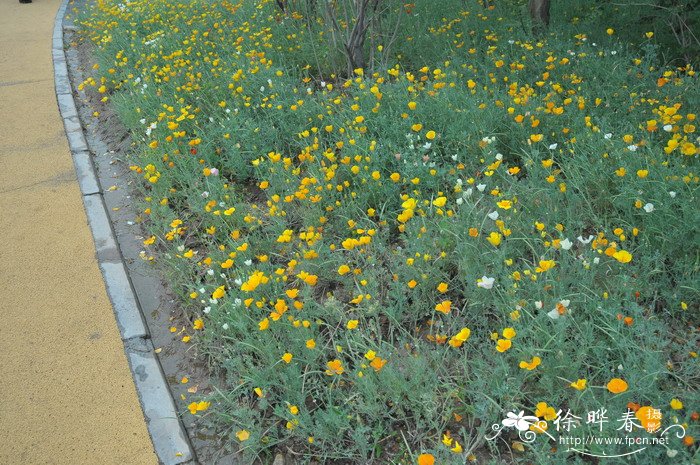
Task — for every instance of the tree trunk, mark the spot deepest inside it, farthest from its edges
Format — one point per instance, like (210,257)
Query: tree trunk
(539,12)
(356,42)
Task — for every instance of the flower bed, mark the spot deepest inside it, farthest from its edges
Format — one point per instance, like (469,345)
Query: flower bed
(382,264)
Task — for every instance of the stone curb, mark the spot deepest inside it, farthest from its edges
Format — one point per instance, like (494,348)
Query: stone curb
(167,433)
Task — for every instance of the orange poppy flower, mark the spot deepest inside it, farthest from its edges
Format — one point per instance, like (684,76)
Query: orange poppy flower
(617,385)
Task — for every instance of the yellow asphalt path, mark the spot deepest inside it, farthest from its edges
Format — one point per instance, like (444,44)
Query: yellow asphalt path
(66,394)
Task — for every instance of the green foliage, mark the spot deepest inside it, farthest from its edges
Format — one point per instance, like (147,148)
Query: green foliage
(348,219)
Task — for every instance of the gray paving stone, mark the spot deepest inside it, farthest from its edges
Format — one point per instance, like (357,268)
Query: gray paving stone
(167,433)
(57,41)
(124,303)
(76,141)
(86,173)
(62,85)
(61,72)
(105,244)
(72,124)
(67,106)
(58,56)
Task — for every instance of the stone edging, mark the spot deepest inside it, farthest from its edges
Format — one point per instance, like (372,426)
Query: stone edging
(167,433)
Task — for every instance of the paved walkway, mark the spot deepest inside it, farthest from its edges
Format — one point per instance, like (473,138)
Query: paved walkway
(66,394)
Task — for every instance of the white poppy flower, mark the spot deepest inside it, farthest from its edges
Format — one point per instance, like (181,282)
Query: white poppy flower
(649,207)
(486,282)
(585,241)
(553,314)
(481,187)
(560,310)
(493,215)
(566,244)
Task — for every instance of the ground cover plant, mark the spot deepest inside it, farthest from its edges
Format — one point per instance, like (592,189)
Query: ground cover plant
(381,262)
